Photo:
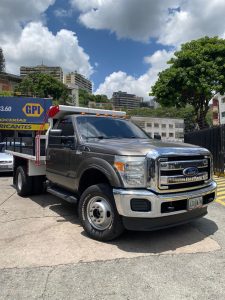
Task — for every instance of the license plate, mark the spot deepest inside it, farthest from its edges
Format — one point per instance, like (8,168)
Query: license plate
(195,203)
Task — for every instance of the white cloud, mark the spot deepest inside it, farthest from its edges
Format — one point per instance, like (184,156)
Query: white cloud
(62,13)
(171,22)
(120,81)
(37,43)
(134,19)
(15,14)
(26,41)
(85,5)
(193,21)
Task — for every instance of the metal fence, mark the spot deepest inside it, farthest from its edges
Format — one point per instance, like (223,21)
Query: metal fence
(214,140)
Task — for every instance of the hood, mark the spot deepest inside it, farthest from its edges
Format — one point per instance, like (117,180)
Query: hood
(142,147)
(5,157)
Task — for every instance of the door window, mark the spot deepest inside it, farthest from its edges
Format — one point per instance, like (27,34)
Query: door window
(66,138)
(66,126)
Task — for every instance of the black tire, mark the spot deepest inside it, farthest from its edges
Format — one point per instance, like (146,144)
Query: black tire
(38,185)
(113,227)
(23,182)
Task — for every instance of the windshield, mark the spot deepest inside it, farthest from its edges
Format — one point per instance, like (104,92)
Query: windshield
(108,128)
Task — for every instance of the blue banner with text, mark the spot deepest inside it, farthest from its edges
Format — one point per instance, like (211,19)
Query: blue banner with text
(24,110)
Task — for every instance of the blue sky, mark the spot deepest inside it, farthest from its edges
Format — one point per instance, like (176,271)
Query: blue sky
(107,52)
(118,44)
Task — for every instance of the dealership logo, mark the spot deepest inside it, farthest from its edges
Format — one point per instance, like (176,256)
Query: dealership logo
(33,110)
(192,171)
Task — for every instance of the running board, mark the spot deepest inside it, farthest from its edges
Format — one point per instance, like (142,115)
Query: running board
(62,194)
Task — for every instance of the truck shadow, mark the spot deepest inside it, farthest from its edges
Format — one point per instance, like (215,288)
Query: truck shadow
(186,238)
(56,207)
(189,236)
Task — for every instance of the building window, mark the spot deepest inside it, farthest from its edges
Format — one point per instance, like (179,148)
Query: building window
(179,125)
(149,124)
(179,135)
(171,134)
(163,134)
(223,114)
(170,125)
(156,125)
(163,125)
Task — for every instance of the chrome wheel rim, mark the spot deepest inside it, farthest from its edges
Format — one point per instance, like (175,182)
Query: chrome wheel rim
(99,213)
(19,181)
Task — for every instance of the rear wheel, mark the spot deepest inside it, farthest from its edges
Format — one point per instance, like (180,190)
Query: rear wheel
(23,182)
(98,213)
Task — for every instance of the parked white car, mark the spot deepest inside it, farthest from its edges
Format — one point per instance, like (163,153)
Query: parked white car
(6,160)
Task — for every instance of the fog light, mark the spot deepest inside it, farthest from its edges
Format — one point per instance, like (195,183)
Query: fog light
(140,205)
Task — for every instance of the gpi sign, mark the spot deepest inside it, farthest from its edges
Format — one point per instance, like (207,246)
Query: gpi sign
(33,110)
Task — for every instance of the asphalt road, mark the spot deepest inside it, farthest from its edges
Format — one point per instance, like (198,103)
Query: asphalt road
(44,254)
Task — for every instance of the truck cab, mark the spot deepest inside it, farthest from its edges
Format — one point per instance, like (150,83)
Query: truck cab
(119,177)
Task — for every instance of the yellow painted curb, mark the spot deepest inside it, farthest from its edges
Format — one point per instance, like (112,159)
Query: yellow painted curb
(220,202)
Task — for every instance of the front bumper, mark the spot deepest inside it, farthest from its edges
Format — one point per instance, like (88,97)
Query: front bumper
(123,202)
(146,224)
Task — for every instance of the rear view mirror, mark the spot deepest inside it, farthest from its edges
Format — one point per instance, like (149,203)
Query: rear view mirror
(55,132)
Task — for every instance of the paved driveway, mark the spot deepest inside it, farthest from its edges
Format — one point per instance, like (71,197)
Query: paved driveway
(44,254)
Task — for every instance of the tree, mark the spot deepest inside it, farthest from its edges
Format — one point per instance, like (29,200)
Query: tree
(2,61)
(85,97)
(43,85)
(195,75)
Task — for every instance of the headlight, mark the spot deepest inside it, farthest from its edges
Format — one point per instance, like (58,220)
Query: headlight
(131,170)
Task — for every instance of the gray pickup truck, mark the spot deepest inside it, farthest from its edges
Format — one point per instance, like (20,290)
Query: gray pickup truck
(118,176)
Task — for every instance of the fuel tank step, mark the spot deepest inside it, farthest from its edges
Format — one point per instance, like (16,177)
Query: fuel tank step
(56,191)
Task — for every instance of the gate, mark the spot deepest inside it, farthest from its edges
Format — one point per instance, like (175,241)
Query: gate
(214,140)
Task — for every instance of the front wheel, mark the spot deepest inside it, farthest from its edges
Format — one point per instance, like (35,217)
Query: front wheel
(98,213)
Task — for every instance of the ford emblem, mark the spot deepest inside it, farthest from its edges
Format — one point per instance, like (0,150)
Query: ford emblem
(192,171)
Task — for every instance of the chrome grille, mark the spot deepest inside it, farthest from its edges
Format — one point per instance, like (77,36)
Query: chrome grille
(172,174)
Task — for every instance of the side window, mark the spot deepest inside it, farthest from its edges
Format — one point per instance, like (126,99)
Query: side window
(67,127)
(66,139)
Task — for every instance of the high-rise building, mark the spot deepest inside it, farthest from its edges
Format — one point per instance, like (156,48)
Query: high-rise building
(125,100)
(79,80)
(55,72)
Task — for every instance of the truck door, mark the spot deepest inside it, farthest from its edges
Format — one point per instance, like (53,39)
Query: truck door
(59,153)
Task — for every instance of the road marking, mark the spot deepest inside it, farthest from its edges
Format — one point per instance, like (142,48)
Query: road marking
(220,190)
(220,202)
(220,193)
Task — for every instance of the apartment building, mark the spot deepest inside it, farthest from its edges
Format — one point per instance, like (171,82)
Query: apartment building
(170,129)
(55,72)
(218,108)
(121,100)
(74,78)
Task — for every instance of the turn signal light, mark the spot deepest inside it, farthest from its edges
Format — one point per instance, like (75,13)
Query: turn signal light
(119,166)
